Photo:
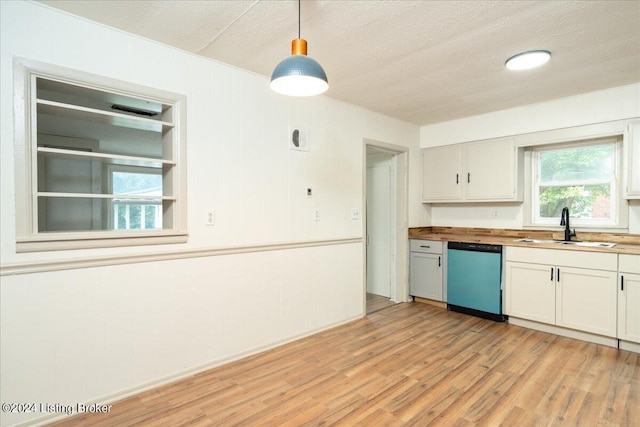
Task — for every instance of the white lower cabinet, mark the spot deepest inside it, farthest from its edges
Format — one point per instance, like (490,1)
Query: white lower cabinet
(530,292)
(426,270)
(586,300)
(571,289)
(629,298)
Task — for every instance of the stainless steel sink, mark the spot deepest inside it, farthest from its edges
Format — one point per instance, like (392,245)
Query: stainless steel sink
(534,241)
(571,243)
(589,244)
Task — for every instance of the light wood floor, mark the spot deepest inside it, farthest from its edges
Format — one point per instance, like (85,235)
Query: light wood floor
(377,303)
(408,365)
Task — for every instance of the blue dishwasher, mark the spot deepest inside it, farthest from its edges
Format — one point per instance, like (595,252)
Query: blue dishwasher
(474,285)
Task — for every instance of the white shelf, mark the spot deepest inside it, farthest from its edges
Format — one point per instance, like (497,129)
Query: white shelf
(99,116)
(118,159)
(103,196)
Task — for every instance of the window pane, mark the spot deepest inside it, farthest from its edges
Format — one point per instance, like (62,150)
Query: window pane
(150,217)
(577,164)
(583,201)
(133,215)
(137,183)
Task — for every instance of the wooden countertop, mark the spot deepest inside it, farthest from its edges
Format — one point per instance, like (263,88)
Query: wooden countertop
(625,243)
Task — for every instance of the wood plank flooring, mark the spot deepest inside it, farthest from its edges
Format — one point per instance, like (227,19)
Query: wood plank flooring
(377,303)
(408,365)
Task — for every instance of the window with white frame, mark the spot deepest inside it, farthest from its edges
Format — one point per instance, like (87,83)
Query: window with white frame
(129,213)
(99,162)
(582,176)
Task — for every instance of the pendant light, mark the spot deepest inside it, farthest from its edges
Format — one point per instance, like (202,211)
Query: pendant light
(299,75)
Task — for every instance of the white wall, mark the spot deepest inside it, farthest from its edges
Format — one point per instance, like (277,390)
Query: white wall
(94,333)
(590,108)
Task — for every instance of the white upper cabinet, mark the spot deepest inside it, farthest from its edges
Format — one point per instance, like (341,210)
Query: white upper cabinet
(632,137)
(441,174)
(483,171)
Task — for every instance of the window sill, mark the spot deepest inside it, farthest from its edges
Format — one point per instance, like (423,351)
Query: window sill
(71,241)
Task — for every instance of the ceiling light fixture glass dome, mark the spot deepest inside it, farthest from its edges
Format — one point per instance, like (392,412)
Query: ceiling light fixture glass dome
(528,60)
(299,75)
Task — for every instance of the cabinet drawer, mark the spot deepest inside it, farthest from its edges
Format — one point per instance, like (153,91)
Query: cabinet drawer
(427,246)
(629,263)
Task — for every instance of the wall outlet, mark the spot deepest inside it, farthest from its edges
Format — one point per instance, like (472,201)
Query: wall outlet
(315,214)
(355,214)
(210,218)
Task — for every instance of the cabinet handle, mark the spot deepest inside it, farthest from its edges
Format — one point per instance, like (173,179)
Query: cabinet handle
(426,247)
(551,274)
(558,274)
(457,179)
(468,177)
(622,283)
(439,262)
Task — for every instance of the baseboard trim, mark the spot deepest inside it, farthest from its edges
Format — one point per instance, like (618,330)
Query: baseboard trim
(569,333)
(630,346)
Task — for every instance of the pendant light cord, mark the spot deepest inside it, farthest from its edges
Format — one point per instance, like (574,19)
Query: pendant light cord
(298,18)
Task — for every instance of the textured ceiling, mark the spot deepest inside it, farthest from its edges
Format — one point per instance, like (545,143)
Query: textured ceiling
(419,61)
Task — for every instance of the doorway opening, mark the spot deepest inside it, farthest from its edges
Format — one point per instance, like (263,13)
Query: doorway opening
(385,225)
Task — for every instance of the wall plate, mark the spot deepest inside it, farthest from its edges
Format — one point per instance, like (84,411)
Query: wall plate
(298,138)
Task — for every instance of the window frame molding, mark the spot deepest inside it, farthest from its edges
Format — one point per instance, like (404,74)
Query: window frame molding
(27,237)
(621,206)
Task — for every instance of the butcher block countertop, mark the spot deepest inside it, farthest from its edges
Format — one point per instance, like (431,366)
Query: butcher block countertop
(625,243)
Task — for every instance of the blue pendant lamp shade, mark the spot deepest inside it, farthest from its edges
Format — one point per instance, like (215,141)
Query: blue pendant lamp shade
(299,75)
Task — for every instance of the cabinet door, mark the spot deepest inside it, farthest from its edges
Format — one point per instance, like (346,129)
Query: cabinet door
(629,307)
(491,170)
(530,292)
(586,300)
(442,174)
(633,160)
(426,275)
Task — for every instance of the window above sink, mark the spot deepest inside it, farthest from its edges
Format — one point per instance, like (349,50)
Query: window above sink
(584,176)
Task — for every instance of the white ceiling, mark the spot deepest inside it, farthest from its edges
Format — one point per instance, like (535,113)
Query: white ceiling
(419,61)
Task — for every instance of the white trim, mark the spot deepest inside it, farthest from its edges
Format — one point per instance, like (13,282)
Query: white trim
(400,293)
(30,267)
(572,134)
(629,346)
(564,332)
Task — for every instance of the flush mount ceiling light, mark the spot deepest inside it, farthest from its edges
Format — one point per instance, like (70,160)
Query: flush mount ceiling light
(299,75)
(527,60)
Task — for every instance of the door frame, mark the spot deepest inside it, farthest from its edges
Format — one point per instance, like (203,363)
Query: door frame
(400,245)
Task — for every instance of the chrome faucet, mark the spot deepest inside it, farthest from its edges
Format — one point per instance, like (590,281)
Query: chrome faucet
(564,220)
